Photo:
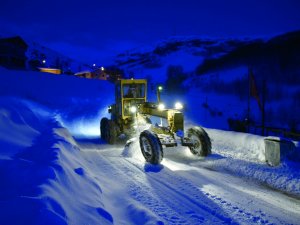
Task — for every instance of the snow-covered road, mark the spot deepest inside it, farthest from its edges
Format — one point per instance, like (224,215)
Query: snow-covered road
(181,191)
(48,175)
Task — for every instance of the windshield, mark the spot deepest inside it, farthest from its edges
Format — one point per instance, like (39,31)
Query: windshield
(133,90)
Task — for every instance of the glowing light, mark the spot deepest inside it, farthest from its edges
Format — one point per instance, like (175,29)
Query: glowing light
(178,105)
(84,127)
(94,65)
(161,106)
(102,68)
(160,88)
(44,61)
(133,109)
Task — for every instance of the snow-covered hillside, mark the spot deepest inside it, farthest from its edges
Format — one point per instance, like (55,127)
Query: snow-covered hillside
(24,54)
(218,71)
(55,170)
(41,56)
(189,52)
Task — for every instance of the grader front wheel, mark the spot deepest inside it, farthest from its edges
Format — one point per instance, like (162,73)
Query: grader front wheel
(151,147)
(201,140)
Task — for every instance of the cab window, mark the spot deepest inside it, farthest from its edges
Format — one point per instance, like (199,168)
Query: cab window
(133,90)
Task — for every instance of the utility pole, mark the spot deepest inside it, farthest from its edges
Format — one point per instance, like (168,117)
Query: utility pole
(158,91)
(264,89)
(249,95)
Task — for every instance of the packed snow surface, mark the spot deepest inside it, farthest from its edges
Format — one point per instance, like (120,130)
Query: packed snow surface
(55,170)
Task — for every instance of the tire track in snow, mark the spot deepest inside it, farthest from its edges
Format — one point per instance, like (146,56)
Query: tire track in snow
(165,201)
(238,212)
(211,202)
(250,202)
(165,205)
(178,198)
(193,206)
(185,197)
(134,183)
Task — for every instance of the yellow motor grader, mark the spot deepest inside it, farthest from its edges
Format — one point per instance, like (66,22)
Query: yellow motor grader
(131,113)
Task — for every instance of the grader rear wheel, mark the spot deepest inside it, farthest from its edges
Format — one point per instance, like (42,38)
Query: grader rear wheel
(104,128)
(109,131)
(112,132)
(202,143)
(151,147)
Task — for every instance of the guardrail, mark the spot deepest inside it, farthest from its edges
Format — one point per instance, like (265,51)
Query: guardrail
(276,131)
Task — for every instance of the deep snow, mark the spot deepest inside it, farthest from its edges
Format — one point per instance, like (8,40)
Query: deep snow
(55,170)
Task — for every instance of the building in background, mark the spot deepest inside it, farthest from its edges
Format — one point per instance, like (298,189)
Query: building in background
(50,70)
(13,53)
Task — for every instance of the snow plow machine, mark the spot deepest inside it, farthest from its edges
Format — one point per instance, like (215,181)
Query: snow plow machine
(131,117)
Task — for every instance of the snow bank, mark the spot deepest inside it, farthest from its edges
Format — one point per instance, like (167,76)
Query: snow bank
(244,155)
(40,164)
(43,173)
(19,124)
(77,102)
(242,146)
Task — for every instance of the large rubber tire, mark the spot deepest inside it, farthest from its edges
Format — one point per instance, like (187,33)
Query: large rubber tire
(203,143)
(112,132)
(104,128)
(151,147)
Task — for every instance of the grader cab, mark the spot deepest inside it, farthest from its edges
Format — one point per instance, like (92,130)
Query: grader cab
(131,117)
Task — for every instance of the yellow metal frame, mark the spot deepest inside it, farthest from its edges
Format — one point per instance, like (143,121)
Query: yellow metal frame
(131,81)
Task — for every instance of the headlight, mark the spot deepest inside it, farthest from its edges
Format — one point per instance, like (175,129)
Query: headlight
(133,109)
(178,105)
(161,106)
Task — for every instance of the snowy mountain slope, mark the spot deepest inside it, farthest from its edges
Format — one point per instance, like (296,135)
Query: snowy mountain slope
(37,56)
(48,177)
(41,56)
(188,52)
(277,53)
(218,70)
(180,57)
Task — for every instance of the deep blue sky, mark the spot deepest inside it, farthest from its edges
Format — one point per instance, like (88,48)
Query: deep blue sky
(90,30)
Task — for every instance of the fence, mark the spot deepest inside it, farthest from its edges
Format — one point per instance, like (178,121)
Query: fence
(267,131)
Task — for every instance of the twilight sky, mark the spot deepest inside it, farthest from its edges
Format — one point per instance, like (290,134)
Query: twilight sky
(93,30)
